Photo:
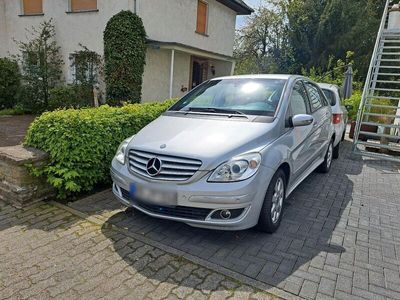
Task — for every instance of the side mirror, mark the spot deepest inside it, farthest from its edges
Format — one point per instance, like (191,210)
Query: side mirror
(349,107)
(302,120)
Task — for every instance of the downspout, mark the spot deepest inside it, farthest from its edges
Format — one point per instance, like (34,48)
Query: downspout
(171,75)
(233,67)
(132,6)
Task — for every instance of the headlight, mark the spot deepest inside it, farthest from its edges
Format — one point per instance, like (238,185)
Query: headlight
(238,168)
(120,155)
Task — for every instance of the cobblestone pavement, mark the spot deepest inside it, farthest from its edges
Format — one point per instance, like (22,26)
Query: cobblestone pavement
(46,252)
(13,129)
(340,236)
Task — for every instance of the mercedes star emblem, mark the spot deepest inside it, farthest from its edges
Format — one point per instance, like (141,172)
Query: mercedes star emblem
(153,166)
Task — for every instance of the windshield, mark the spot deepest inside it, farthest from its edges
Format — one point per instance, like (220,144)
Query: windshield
(330,96)
(236,96)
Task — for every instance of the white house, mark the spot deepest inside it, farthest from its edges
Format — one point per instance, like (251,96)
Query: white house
(189,41)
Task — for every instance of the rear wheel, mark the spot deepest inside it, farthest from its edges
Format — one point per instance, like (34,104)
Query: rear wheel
(272,209)
(326,164)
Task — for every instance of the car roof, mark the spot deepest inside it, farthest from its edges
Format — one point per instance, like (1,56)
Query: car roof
(260,76)
(328,86)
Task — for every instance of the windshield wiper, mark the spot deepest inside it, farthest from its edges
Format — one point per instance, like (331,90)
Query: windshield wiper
(216,110)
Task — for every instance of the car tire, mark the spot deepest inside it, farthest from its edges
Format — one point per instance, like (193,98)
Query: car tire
(327,163)
(272,209)
(335,154)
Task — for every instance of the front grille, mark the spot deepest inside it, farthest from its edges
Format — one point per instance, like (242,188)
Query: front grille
(185,212)
(173,168)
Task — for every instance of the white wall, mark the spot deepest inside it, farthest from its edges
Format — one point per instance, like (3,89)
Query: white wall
(175,21)
(164,20)
(72,29)
(222,68)
(156,76)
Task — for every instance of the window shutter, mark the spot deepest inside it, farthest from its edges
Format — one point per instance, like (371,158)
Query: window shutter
(83,5)
(201,17)
(32,7)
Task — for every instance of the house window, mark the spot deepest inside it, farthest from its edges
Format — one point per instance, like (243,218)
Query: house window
(83,5)
(83,68)
(202,12)
(32,7)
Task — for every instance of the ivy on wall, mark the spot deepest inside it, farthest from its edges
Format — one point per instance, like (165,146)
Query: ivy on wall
(124,55)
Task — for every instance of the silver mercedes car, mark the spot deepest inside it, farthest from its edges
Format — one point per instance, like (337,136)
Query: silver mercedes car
(228,153)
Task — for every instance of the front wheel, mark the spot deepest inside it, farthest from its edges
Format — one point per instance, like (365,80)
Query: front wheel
(272,209)
(326,164)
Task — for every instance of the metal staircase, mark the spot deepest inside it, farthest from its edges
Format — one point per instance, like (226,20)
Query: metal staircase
(377,132)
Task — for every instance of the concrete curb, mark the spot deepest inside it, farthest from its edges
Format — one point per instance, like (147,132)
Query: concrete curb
(202,262)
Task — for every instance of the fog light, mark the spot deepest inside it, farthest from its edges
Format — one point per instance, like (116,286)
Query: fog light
(225,214)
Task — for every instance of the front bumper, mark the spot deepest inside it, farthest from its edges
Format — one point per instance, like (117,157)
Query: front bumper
(201,198)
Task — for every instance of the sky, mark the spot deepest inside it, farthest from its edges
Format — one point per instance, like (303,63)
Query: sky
(241,20)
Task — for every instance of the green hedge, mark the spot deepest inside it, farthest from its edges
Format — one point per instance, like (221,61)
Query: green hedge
(82,142)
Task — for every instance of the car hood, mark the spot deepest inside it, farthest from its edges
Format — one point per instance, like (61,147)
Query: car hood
(213,140)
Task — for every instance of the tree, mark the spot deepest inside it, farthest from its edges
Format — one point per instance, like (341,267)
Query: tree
(125,57)
(297,36)
(320,29)
(303,18)
(41,64)
(262,45)
(10,81)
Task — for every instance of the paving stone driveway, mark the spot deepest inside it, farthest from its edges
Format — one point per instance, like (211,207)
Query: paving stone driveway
(13,129)
(46,252)
(340,237)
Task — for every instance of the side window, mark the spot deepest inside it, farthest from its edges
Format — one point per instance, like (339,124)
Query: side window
(316,99)
(330,96)
(298,100)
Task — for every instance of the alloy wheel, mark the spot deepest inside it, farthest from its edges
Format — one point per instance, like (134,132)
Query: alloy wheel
(329,155)
(277,200)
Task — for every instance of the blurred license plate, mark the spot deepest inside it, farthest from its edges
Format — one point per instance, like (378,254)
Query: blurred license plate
(153,196)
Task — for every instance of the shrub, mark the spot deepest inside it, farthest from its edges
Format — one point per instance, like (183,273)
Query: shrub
(71,96)
(41,63)
(82,142)
(12,111)
(87,65)
(354,100)
(10,81)
(125,57)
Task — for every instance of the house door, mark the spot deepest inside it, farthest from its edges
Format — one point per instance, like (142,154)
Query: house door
(199,71)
